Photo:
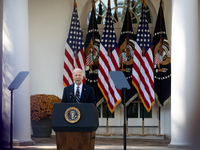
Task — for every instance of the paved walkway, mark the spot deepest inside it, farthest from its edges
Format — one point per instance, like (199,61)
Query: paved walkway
(104,143)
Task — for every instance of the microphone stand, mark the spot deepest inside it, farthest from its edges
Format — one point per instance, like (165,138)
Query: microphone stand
(72,97)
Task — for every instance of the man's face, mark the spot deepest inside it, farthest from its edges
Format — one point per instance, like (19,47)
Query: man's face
(78,77)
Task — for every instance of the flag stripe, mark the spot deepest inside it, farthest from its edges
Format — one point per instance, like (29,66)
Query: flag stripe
(102,86)
(115,60)
(69,55)
(105,71)
(144,77)
(141,77)
(67,73)
(68,66)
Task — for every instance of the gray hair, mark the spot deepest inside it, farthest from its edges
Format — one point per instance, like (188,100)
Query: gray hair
(77,69)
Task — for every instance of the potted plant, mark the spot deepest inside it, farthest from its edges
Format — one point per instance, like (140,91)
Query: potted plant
(41,113)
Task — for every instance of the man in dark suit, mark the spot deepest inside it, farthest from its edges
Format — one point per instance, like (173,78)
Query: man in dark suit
(78,92)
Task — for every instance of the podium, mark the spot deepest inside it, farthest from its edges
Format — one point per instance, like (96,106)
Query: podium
(75,125)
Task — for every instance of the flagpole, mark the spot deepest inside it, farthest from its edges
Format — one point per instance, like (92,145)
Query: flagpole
(143,121)
(143,54)
(161,39)
(109,53)
(107,123)
(161,55)
(128,24)
(109,50)
(76,51)
(93,25)
(92,33)
(126,48)
(159,122)
(143,49)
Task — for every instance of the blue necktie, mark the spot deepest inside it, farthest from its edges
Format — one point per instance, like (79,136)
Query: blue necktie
(77,95)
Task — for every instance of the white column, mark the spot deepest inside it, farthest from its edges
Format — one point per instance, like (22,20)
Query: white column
(185,73)
(16,59)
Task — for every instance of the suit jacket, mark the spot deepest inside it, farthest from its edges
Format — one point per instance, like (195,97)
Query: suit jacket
(87,95)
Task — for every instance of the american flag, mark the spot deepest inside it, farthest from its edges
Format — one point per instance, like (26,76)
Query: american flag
(108,61)
(143,71)
(74,50)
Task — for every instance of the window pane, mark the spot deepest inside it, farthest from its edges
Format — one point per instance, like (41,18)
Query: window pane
(101,11)
(137,9)
(107,111)
(119,3)
(146,114)
(149,15)
(133,11)
(123,15)
(132,110)
(112,3)
(132,4)
(114,14)
(120,12)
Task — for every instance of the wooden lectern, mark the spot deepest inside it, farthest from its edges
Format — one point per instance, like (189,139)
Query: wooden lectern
(75,125)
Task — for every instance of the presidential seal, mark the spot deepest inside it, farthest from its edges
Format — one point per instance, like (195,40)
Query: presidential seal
(72,115)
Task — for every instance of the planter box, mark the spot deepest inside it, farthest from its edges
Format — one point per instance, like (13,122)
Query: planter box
(41,128)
